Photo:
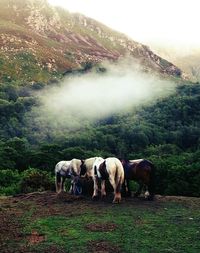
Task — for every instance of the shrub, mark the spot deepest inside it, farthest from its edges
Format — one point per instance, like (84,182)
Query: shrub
(177,175)
(8,177)
(9,182)
(36,180)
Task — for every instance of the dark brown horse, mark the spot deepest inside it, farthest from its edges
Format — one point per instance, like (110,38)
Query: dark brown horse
(143,172)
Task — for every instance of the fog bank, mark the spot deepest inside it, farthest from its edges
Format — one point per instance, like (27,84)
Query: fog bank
(93,96)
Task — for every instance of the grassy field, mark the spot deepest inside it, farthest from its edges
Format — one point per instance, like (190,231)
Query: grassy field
(46,222)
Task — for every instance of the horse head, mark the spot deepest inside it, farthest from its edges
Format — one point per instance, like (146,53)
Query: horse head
(76,171)
(76,185)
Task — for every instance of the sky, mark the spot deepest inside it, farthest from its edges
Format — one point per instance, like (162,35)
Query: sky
(161,22)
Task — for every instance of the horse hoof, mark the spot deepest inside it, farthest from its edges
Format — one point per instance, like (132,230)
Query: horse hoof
(103,197)
(116,201)
(95,198)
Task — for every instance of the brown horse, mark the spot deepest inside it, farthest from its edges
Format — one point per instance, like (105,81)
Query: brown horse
(143,172)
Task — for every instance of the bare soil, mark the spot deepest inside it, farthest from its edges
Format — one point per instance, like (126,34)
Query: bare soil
(102,247)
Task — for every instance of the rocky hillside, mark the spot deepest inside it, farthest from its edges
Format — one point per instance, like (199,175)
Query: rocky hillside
(38,42)
(186,57)
(190,65)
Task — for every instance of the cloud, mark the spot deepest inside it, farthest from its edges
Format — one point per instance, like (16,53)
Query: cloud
(82,99)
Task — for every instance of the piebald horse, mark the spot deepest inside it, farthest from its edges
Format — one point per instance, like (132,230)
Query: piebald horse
(143,172)
(110,168)
(87,167)
(85,181)
(67,169)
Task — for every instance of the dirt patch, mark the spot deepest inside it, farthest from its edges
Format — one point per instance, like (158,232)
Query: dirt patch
(51,249)
(103,247)
(101,227)
(66,197)
(45,198)
(35,238)
(188,201)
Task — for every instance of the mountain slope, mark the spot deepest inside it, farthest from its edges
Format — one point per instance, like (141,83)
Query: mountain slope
(187,58)
(190,64)
(39,41)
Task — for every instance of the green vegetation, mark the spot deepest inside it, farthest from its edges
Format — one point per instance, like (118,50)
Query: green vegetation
(13,182)
(166,132)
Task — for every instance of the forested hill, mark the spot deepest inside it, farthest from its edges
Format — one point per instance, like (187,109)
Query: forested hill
(167,132)
(39,42)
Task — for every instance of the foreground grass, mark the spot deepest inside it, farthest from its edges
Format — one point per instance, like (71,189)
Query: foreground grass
(132,226)
(169,230)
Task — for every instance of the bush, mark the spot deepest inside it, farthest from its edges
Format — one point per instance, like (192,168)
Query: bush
(9,182)
(177,175)
(10,190)
(36,180)
(8,177)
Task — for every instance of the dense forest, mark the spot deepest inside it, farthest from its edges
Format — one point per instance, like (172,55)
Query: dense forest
(167,132)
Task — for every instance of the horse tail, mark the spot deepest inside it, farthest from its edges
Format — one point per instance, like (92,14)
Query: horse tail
(152,181)
(120,177)
(95,170)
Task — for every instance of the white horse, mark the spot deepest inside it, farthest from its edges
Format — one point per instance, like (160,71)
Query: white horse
(67,169)
(87,167)
(112,169)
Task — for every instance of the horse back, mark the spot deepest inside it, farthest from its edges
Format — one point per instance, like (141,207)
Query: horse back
(88,166)
(139,170)
(114,166)
(62,165)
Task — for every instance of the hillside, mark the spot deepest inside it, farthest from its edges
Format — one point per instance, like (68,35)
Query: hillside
(190,64)
(39,42)
(186,58)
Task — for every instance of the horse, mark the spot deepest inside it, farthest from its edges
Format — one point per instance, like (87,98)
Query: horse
(62,172)
(68,169)
(110,168)
(143,172)
(85,180)
(87,167)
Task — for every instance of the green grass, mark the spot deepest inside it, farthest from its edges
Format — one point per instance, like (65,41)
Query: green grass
(167,228)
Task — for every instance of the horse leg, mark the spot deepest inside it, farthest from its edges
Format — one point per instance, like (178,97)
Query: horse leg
(62,184)
(116,186)
(57,182)
(124,188)
(146,193)
(96,190)
(128,190)
(71,189)
(103,189)
(149,194)
(139,190)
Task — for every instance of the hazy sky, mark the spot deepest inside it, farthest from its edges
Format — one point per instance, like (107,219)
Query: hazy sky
(172,22)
